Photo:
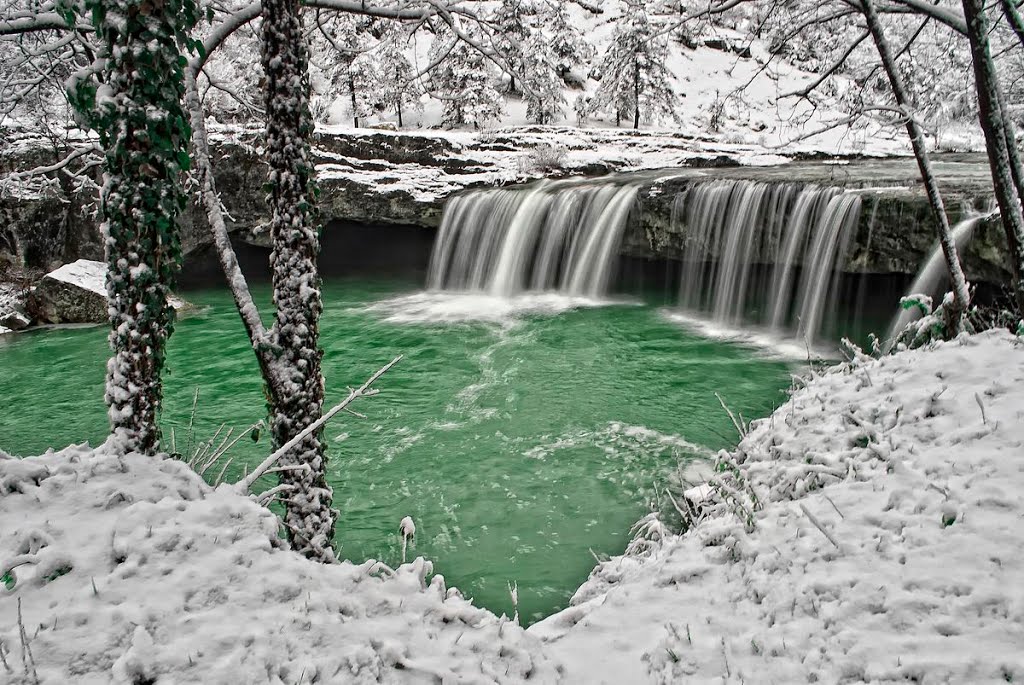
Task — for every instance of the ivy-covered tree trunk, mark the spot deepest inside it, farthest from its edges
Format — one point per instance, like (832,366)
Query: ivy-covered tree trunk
(137,111)
(298,393)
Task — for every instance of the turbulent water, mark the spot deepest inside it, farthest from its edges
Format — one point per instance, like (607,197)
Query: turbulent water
(522,434)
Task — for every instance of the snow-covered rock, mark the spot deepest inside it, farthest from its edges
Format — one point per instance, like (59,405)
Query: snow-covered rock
(13,316)
(890,546)
(132,569)
(75,293)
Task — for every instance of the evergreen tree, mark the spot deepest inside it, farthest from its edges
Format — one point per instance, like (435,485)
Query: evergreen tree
(464,81)
(136,108)
(568,46)
(634,79)
(397,89)
(341,46)
(511,29)
(297,395)
(541,84)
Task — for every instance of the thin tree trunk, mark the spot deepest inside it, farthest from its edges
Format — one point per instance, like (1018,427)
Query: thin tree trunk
(400,124)
(355,103)
(998,141)
(1014,19)
(294,231)
(961,294)
(636,92)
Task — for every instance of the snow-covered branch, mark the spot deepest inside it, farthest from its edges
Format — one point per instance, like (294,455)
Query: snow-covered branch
(365,390)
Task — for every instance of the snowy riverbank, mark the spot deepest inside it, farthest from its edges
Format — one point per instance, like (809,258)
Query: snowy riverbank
(889,548)
(912,468)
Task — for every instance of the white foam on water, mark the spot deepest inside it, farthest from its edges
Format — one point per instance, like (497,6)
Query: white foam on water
(433,307)
(771,342)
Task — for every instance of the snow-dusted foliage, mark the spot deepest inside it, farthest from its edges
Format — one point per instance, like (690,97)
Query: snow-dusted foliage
(398,89)
(542,85)
(342,67)
(569,46)
(465,81)
(510,22)
(133,101)
(634,77)
(297,395)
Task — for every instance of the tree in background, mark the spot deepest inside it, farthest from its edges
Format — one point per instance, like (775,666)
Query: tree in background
(341,47)
(133,99)
(510,29)
(398,90)
(542,86)
(634,81)
(569,47)
(464,80)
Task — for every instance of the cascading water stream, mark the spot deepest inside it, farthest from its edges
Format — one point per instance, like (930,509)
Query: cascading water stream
(764,253)
(551,236)
(933,276)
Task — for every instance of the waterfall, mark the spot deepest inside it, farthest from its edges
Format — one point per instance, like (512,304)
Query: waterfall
(933,277)
(764,253)
(550,236)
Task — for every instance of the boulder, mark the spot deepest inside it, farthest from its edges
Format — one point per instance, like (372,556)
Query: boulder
(75,293)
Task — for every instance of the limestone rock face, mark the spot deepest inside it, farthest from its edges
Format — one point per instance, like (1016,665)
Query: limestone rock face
(75,293)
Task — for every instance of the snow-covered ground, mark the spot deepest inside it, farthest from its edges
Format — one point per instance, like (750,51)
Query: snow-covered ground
(890,547)
(133,570)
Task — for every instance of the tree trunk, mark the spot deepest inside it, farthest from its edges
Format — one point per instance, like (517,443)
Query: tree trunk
(294,230)
(998,141)
(355,102)
(400,124)
(145,137)
(636,92)
(961,294)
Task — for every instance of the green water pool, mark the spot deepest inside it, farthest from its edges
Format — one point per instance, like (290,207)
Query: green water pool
(522,436)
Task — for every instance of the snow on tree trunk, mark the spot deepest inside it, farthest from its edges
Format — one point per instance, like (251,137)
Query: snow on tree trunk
(997,137)
(961,295)
(294,337)
(136,110)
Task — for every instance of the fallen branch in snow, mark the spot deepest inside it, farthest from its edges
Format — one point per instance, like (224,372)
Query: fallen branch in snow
(817,524)
(364,390)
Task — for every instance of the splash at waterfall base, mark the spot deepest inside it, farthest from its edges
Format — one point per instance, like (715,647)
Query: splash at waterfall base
(886,546)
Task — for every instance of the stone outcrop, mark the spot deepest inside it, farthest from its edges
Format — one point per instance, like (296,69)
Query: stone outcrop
(895,232)
(74,293)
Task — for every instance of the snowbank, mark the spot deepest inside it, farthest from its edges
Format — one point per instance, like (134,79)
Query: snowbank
(137,571)
(890,546)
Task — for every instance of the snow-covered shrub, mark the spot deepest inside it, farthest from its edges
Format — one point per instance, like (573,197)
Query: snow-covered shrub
(543,158)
